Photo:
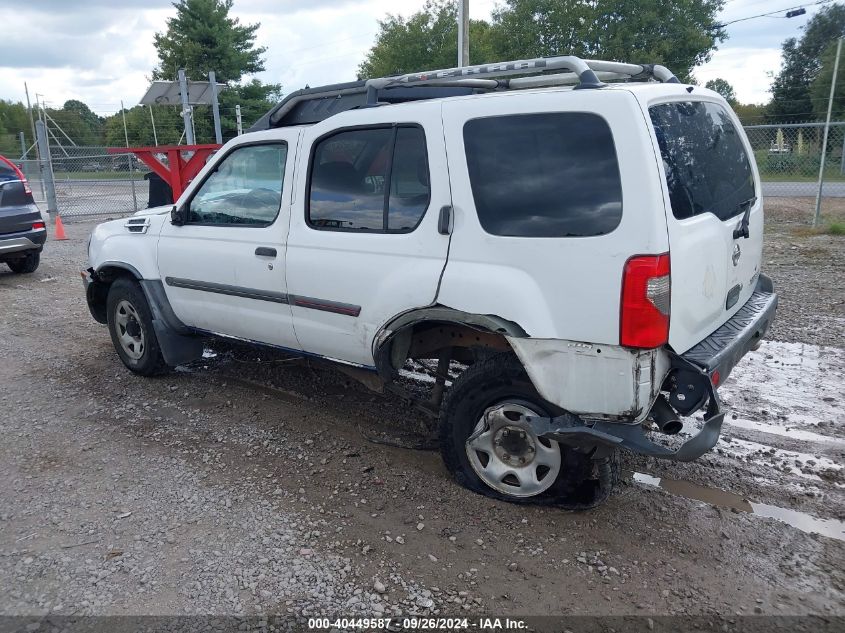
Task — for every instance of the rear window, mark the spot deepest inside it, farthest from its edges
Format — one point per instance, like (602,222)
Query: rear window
(7,173)
(707,169)
(544,175)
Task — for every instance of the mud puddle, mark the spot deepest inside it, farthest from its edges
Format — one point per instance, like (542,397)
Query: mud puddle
(831,528)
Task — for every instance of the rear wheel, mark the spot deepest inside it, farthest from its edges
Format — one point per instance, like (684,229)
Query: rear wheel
(27,264)
(131,329)
(489,447)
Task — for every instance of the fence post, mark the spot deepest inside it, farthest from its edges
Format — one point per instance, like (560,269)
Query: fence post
(129,157)
(187,114)
(238,119)
(46,167)
(215,107)
(826,131)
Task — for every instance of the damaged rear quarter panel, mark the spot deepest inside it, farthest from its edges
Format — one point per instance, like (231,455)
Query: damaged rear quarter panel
(592,380)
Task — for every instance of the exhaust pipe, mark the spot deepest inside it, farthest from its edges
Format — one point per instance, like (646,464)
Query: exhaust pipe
(665,417)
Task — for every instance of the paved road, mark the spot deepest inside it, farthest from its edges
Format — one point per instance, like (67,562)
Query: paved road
(803,189)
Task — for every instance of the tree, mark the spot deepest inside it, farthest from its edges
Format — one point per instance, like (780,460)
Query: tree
(820,86)
(802,63)
(723,88)
(679,35)
(201,38)
(13,120)
(426,40)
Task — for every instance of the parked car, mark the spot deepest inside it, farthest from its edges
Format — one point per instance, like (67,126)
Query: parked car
(22,229)
(532,237)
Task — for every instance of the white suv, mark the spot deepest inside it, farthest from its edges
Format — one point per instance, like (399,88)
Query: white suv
(588,254)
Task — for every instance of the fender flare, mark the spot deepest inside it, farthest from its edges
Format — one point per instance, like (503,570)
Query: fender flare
(489,323)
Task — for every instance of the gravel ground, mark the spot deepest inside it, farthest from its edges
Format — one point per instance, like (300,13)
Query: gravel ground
(253,483)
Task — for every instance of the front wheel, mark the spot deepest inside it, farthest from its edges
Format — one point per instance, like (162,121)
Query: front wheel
(131,329)
(489,447)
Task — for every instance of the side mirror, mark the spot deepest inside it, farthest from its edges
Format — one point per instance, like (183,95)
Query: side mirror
(178,216)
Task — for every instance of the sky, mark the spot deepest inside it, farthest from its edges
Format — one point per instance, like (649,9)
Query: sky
(101,51)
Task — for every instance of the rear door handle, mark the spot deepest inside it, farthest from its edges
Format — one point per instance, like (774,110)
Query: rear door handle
(264,251)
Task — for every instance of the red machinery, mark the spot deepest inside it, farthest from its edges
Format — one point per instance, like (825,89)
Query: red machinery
(178,172)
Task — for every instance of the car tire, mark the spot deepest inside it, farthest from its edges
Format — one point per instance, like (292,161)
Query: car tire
(580,481)
(131,328)
(27,264)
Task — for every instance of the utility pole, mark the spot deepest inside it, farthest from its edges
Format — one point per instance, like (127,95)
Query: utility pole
(826,131)
(238,119)
(186,108)
(463,33)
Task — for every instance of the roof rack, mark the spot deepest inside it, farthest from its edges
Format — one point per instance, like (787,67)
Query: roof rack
(311,105)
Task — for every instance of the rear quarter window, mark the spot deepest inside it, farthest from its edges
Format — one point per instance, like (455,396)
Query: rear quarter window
(544,175)
(707,168)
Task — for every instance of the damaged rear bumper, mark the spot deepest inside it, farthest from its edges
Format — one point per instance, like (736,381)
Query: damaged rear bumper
(691,385)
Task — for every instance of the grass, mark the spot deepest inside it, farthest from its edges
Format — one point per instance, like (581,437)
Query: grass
(834,228)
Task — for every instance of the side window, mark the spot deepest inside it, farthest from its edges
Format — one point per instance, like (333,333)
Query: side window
(544,175)
(373,180)
(245,188)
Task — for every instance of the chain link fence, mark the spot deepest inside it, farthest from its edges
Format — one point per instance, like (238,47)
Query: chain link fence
(92,182)
(789,156)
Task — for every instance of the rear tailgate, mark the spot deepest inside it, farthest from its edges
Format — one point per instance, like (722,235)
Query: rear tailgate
(711,187)
(17,210)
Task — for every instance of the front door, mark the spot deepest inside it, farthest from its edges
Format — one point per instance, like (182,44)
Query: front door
(364,244)
(223,270)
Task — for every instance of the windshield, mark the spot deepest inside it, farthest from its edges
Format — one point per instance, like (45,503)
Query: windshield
(707,168)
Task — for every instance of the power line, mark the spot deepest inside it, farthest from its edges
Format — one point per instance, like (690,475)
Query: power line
(770,14)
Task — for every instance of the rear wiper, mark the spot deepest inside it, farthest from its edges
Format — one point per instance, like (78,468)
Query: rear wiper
(742,229)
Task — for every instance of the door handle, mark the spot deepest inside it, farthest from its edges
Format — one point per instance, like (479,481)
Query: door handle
(264,251)
(444,220)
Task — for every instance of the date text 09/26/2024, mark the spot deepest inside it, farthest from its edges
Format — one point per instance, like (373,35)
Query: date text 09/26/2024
(417,623)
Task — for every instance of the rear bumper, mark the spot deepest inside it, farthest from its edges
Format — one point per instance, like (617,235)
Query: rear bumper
(692,384)
(719,353)
(22,241)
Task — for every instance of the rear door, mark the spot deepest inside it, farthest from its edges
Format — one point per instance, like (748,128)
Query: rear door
(364,243)
(710,184)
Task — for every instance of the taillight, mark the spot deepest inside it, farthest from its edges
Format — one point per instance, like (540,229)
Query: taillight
(38,225)
(646,297)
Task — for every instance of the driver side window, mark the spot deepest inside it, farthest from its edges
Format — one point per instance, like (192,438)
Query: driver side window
(244,189)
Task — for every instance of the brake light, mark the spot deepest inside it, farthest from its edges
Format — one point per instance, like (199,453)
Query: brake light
(646,298)
(38,225)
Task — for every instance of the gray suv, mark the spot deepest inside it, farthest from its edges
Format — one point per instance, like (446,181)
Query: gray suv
(22,229)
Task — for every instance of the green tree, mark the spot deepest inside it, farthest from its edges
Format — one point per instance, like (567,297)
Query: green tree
(13,120)
(820,86)
(723,88)
(203,37)
(426,40)
(802,61)
(750,113)
(680,34)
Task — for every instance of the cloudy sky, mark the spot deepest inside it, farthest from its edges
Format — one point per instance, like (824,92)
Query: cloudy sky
(101,51)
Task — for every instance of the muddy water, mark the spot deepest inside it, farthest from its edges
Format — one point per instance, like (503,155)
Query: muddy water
(831,528)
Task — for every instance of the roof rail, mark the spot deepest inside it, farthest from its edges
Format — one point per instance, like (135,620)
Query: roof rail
(316,104)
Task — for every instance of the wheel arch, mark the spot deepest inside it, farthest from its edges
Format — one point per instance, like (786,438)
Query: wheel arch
(426,332)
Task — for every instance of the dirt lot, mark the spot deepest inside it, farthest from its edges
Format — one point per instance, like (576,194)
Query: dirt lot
(254,483)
